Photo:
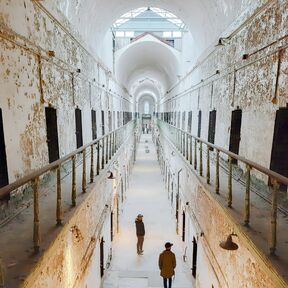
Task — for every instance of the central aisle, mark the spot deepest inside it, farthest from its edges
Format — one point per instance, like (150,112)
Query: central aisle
(146,196)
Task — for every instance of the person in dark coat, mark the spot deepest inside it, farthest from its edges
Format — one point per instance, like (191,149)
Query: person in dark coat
(167,264)
(140,232)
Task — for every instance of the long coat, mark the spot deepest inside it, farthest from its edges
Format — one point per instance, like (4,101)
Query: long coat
(167,263)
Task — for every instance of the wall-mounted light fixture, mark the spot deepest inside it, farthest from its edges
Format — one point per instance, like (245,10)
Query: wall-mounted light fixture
(245,56)
(223,41)
(229,244)
(110,175)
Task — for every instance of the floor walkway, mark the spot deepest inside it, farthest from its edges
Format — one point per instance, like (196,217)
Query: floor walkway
(147,196)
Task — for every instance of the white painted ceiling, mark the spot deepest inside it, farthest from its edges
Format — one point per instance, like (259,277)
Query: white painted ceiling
(206,20)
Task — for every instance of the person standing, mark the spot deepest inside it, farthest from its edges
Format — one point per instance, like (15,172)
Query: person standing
(140,232)
(167,264)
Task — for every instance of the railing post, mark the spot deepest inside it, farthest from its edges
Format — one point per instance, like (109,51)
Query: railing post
(181,142)
(217,180)
(113,151)
(59,196)
(191,149)
(36,226)
(84,171)
(92,164)
(102,154)
(177,139)
(274,209)
(107,148)
(73,181)
(208,165)
(98,158)
(195,154)
(115,141)
(187,154)
(247,196)
(110,146)
(230,182)
(201,159)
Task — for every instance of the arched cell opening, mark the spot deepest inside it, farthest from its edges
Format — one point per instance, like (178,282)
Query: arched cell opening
(146,105)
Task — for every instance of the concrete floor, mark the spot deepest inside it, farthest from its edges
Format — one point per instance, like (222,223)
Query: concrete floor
(147,196)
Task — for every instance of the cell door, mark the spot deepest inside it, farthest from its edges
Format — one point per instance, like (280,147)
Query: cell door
(235,133)
(111,225)
(103,122)
(189,129)
(113,120)
(183,226)
(4,180)
(122,191)
(212,127)
(183,120)
(199,123)
(110,121)
(178,120)
(279,155)
(79,136)
(102,269)
(194,257)
(118,119)
(94,124)
(177,207)
(52,134)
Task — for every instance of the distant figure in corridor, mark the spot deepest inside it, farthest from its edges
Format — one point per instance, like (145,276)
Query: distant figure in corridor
(140,232)
(167,264)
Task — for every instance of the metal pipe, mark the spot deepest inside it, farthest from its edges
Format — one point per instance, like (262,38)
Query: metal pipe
(274,217)
(73,181)
(201,159)
(36,221)
(59,196)
(92,165)
(84,171)
(230,182)
(217,180)
(247,196)
(208,166)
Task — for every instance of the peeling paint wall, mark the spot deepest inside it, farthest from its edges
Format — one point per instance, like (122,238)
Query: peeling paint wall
(32,78)
(209,223)
(248,84)
(73,259)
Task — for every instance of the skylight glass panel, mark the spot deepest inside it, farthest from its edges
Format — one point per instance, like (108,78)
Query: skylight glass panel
(120,34)
(129,34)
(161,13)
(177,34)
(167,34)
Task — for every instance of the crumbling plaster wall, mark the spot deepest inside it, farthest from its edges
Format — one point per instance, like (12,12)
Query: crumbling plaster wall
(73,259)
(209,223)
(32,80)
(248,84)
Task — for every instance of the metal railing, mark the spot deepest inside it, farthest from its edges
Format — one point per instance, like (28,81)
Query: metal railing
(106,147)
(191,147)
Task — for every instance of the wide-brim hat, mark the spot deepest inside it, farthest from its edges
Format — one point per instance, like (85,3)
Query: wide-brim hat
(168,245)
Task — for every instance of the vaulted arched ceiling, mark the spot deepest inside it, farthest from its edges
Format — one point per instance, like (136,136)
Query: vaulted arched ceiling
(205,19)
(148,61)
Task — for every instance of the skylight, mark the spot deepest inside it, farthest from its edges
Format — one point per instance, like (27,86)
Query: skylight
(163,15)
